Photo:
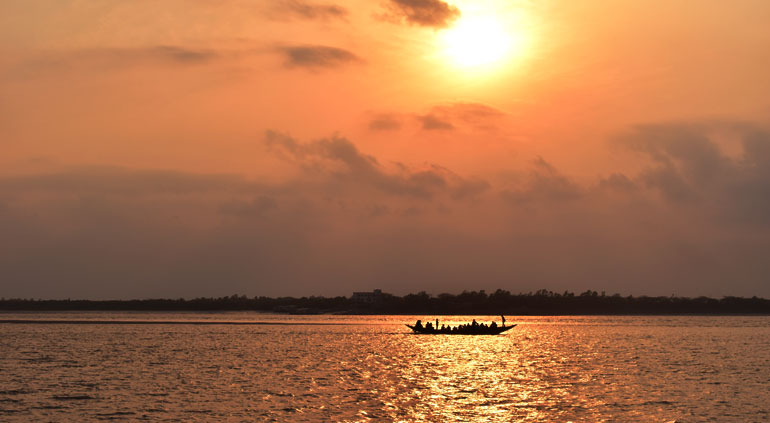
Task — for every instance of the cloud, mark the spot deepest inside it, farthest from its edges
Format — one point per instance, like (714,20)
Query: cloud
(305,10)
(618,182)
(346,167)
(473,113)
(176,54)
(112,180)
(116,57)
(432,122)
(688,166)
(474,116)
(473,187)
(384,122)
(444,117)
(107,232)
(544,184)
(430,13)
(345,220)
(316,57)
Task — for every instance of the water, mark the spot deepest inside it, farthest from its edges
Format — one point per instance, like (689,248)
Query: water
(358,369)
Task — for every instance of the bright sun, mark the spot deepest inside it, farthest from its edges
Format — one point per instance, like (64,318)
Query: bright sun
(478,40)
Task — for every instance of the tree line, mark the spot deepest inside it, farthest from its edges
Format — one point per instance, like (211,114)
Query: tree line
(542,302)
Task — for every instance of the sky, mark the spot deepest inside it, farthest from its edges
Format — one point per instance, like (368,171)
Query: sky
(190,148)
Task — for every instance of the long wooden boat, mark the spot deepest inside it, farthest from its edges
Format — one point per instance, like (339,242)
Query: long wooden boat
(464,330)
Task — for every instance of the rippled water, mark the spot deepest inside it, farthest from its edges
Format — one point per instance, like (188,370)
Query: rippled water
(354,368)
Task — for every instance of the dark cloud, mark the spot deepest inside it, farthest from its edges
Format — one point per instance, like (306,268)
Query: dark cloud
(306,10)
(346,166)
(688,148)
(432,122)
(384,122)
(544,183)
(464,188)
(431,13)
(317,57)
(180,54)
(689,168)
(618,182)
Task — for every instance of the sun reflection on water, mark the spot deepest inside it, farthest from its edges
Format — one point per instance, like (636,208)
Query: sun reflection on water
(467,377)
(513,377)
(585,369)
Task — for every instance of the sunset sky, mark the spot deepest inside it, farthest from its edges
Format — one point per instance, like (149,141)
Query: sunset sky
(185,148)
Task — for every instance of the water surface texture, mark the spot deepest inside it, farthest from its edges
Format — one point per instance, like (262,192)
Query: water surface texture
(370,368)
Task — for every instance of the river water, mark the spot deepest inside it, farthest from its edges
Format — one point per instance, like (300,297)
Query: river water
(370,368)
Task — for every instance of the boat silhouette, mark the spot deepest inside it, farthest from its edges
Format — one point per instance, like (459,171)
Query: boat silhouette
(467,329)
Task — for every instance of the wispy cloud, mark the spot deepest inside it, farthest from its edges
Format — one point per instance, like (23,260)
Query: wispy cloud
(316,57)
(431,122)
(443,117)
(287,9)
(384,122)
(122,57)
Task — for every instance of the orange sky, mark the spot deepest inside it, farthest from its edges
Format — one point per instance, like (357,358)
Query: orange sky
(185,148)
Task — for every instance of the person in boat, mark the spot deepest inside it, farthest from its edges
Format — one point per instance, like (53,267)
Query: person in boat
(503,320)
(474,324)
(429,326)
(493,325)
(418,325)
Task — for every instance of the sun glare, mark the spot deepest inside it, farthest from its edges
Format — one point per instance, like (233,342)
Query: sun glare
(478,41)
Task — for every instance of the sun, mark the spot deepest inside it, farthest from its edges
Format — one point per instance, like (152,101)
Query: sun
(479,41)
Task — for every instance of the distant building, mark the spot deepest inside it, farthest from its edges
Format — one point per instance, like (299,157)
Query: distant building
(372,297)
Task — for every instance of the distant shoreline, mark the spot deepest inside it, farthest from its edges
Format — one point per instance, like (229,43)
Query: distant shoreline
(540,303)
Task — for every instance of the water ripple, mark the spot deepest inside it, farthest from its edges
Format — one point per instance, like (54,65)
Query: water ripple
(578,369)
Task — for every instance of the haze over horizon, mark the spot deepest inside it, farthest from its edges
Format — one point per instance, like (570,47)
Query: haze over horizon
(296,148)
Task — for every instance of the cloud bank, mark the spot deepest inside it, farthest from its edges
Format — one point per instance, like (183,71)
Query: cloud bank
(693,220)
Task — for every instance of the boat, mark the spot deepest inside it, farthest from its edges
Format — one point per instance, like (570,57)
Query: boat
(467,329)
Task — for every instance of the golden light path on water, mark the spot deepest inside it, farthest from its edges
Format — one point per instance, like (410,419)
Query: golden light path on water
(371,369)
(491,378)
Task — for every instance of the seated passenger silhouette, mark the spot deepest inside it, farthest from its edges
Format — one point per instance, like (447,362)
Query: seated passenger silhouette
(418,325)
